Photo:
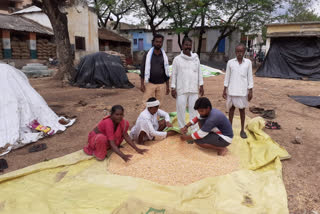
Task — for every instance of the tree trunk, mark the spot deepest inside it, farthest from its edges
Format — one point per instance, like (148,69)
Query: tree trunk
(117,23)
(59,24)
(200,42)
(179,41)
(153,29)
(201,33)
(216,44)
(221,37)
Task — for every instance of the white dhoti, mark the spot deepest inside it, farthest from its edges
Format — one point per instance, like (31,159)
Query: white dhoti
(237,101)
(182,101)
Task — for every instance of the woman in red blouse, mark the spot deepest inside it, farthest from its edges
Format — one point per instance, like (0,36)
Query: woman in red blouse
(109,134)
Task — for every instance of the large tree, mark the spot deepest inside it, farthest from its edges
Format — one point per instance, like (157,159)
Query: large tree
(121,7)
(204,6)
(184,13)
(105,9)
(245,15)
(102,10)
(301,11)
(55,10)
(152,12)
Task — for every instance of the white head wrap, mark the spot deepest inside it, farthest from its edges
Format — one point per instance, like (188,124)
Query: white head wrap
(153,103)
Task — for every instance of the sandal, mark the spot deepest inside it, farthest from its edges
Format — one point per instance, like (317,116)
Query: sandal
(269,114)
(38,148)
(272,125)
(256,110)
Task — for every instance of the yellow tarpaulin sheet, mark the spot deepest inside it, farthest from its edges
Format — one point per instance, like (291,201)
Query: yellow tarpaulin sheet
(79,184)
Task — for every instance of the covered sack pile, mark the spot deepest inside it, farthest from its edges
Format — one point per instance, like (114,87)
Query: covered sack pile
(23,112)
(78,183)
(101,70)
(292,58)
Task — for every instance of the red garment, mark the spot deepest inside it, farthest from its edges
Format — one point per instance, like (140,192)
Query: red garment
(98,144)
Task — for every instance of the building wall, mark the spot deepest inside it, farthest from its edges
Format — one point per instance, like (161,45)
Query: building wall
(4,7)
(141,34)
(174,38)
(148,42)
(83,22)
(211,36)
(233,41)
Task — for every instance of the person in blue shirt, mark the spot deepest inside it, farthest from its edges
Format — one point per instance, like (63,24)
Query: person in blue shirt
(215,128)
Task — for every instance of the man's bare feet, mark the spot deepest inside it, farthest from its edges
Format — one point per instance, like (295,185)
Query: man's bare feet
(222,152)
(243,134)
(141,138)
(171,133)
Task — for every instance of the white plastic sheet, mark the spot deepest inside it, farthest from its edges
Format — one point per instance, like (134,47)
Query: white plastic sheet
(20,104)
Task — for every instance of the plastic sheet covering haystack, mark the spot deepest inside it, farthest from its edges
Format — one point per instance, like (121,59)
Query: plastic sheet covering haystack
(77,183)
(20,104)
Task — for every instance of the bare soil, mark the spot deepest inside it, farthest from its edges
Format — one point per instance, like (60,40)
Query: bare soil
(301,173)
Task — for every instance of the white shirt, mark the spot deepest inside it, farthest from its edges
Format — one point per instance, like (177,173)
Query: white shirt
(147,121)
(238,77)
(186,74)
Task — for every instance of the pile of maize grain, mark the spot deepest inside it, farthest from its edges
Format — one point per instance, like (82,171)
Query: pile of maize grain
(173,162)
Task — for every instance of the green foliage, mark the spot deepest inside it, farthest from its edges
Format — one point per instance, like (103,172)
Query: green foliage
(300,11)
(184,14)
(152,12)
(244,15)
(118,8)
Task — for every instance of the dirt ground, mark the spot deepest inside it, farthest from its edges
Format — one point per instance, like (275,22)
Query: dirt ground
(301,173)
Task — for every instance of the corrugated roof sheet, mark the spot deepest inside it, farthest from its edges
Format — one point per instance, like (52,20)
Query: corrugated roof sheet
(31,9)
(18,23)
(105,34)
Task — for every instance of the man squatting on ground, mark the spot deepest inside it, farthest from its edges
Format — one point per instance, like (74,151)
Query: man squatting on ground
(215,129)
(238,84)
(148,127)
(154,72)
(187,81)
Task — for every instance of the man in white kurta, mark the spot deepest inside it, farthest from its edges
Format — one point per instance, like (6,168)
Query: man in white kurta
(238,85)
(187,81)
(147,126)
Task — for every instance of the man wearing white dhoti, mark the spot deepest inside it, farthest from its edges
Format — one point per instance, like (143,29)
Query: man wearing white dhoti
(238,84)
(147,126)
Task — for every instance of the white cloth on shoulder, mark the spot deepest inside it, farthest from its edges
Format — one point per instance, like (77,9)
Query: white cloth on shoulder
(239,102)
(149,124)
(148,64)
